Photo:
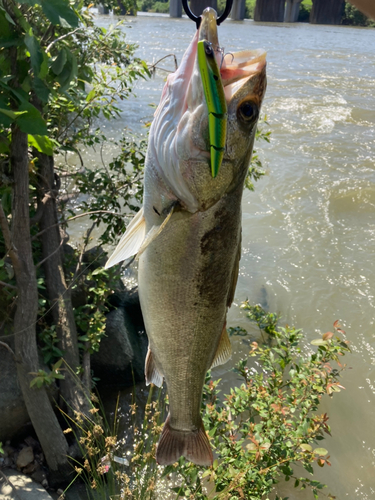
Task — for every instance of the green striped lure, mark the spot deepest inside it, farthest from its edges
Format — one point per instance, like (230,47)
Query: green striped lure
(216,103)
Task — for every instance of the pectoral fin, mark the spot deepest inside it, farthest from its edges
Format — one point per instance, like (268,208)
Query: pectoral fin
(153,233)
(131,242)
(135,241)
(224,349)
(152,374)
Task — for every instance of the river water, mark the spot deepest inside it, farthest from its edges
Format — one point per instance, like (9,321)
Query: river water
(309,227)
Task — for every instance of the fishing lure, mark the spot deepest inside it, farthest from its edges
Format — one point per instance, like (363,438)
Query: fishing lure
(216,103)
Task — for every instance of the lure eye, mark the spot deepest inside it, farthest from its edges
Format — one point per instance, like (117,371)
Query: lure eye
(248,111)
(208,49)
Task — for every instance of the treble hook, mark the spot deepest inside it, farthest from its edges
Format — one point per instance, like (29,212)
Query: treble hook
(198,20)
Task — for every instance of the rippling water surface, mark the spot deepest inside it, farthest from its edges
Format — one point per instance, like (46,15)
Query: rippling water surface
(309,227)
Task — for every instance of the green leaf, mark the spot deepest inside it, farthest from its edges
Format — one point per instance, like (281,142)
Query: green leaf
(31,122)
(41,89)
(42,143)
(12,114)
(60,12)
(59,63)
(68,73)
(9,41)
(36,55)
(320,451)
(318,342)
(306,447)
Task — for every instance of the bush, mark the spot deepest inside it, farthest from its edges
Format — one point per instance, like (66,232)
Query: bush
(354,17)
(304,13)
(260,431)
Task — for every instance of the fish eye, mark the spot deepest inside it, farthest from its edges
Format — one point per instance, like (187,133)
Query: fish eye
(248,111)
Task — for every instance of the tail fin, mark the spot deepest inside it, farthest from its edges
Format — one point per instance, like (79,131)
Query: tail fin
(194,446)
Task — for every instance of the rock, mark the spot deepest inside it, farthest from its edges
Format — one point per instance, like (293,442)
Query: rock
(25,456)
(39,476)
(29,469)
(125,347)
(30,441)
(17,486)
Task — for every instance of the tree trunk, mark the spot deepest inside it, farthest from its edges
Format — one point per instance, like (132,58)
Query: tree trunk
(271,11)
(198,6)
(327,11)
(59,294)
(44,420)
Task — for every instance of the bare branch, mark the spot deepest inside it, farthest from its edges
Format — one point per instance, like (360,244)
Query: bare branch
(153,66)
(8,237)
(50,255)
(8,285)
(61,38)
(65,221)
(85,243)
(5,228)
(6,346)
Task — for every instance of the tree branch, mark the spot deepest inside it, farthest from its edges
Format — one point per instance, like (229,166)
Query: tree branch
(76,217)
(8,237)
(61,38)
(6,346)
(50,255)
(2,283)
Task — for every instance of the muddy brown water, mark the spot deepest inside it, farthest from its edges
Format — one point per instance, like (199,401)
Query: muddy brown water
(309,227)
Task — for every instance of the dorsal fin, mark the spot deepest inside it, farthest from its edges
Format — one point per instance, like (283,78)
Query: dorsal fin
(131,242)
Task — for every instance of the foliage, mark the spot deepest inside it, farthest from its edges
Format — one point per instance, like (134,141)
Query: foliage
(108,466)
(260,432)
(354,17)
(118,187)
(68,74)
(43,378)
(304,12)
(256,170)
(154,6)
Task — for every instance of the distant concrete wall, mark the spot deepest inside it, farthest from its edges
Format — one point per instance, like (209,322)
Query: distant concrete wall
(271,11)
(327,11)
(175,8)
(238,10)
(198,6)
(292,11)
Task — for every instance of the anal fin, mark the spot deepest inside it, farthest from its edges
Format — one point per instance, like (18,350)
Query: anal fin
(224,349)
(152,374)
(193,445)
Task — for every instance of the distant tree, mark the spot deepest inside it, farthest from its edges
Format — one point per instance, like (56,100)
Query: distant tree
(327,11)
(270,11)
(354,17)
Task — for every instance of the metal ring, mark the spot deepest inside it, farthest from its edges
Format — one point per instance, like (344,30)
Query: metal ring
(194,18)
(197,20)
(226,12)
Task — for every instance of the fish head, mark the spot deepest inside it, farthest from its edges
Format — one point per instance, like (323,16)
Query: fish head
(179,142)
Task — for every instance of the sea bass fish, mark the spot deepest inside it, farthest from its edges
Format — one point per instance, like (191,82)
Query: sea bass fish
(188,234)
